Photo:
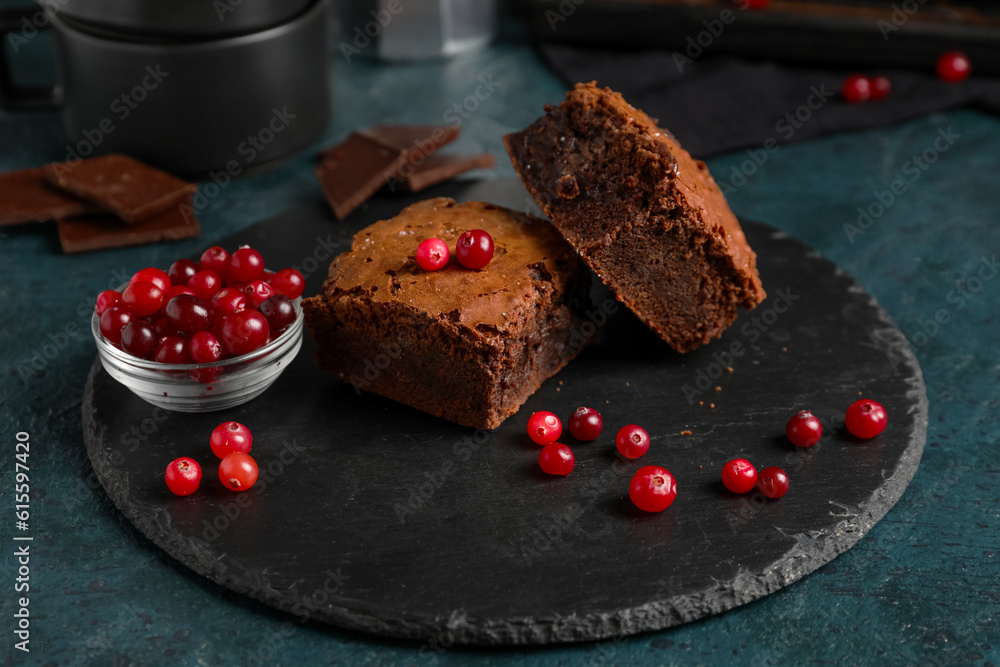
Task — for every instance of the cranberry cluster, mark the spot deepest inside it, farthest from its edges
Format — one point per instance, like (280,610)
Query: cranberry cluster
(474,250)
(222,306)
(952,67)
(230,441)
(652,489)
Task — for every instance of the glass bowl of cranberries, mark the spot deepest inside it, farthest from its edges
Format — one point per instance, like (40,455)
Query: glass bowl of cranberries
(204,335)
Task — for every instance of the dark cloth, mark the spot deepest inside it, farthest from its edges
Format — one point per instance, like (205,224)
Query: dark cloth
(720,104)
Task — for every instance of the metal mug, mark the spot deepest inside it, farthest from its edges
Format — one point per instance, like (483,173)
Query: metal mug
(190,107)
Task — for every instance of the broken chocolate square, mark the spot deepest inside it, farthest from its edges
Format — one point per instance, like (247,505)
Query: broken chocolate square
(121,185)
(26,197)
(107,231)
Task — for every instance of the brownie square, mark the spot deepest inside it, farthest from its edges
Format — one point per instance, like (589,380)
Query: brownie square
(121,185)
(646,216)
(469,346)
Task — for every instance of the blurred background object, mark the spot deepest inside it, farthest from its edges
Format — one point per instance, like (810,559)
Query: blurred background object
(844,32)
(415,29)
(230,85)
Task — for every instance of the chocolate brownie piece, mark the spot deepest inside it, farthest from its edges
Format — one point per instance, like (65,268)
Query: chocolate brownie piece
(646,216)
(469,346)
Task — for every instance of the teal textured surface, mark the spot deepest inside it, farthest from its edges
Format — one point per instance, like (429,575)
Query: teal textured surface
(923,587)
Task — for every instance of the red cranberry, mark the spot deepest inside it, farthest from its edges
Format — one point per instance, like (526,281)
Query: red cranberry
(432,254)
(739,475)
(180,272)
(653,489)
(183,476)
(176,290)
(288,282)
(238,471)
(153,275)
(954,67)
(162,328)
(214,259)
(556,459)
(256,292)
(544,427)
(106,299)
(474,249)
(113,320)
(881,87)
(205,284)
(229,437)
(204,348)
(755,4)
(856,88)
(866,418)
(139,339)
(172,350)
(585,424)
(245,265)
(229,300)
(773,482)
(244,332)
(189,314)
(632,441)
(804,429)
(279,312)
(143,298)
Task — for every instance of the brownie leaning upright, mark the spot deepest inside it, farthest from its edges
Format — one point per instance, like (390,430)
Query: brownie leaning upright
(646,216)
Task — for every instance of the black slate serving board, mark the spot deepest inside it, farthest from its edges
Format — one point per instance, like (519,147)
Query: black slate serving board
(373,516)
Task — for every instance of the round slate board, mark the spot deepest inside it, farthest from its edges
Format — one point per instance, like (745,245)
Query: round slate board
(373,516)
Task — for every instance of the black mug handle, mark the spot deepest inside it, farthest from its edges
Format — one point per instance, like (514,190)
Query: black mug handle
(12,96)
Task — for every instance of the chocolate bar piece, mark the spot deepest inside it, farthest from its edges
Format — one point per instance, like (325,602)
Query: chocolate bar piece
(353,170)
(26,197)
(117,183)
(440,168)
(107,231)
(417,141)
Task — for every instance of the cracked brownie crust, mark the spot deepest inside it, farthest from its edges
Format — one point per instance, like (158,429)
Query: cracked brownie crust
(646,216)
(469,346)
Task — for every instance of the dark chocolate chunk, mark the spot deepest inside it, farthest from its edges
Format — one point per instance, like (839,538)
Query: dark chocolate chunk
(107,231)
(117,183)
(440,168)
(353,170)
(417,141)
(26,197)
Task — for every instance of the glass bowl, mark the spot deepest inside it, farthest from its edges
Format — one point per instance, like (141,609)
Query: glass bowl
(202,387)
